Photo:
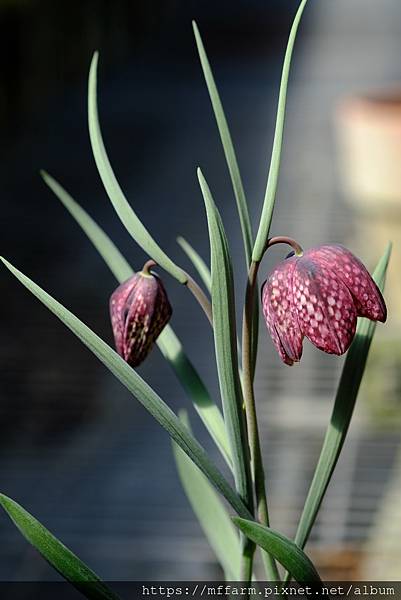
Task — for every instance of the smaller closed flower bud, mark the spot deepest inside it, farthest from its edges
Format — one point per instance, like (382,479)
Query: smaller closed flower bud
(319,295)
(139,311)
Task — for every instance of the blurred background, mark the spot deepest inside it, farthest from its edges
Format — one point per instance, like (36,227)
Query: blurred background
(76,450)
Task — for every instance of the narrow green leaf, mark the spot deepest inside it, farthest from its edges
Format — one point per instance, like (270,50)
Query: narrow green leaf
(228,147)
(270,194)
(198,262)
(139,388)
(168,343)
(282,548)
(204,273)
(344,404)
(235,175)
(122,207)
(59,556)
(208,411)
(210,512)
(224,329)
(103,244)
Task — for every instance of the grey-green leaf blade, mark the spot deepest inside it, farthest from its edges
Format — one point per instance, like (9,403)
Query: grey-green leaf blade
(346,396)
(122,207)
(197,261)
(281,548)
(139,388)
(59,556)
(210,512)
(228,147)
(272,180)
(103,244)
(171,348)
(224,330)
(204,273)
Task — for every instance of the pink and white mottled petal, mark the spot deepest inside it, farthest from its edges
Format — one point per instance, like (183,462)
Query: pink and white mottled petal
(142,302)
(367,297)
(270,319)
(118,301)
(149,311)
(325,307)
(280,313)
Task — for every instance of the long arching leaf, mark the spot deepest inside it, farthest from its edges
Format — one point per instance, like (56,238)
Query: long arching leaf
(228,147)
(272,180)
(282,548)
(210,512)
(122,207)
(59,556)
(224,329)
(198,262)
(225,342)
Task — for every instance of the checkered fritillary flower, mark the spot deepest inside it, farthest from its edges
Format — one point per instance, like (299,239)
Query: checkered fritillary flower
(139,311)
(319,295)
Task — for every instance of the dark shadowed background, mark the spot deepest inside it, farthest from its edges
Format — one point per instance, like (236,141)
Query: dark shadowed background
(75,449)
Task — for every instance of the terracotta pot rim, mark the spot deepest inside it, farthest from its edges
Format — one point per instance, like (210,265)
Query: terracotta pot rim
(382,106)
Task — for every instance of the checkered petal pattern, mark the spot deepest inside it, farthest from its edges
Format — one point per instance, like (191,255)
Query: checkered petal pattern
(280,312)
(319,295)
(366,295)
(139,311)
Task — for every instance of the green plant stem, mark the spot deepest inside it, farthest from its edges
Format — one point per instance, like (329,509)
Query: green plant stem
(201,297)
(248,548)
(249,397)
(251,417)
(246,567)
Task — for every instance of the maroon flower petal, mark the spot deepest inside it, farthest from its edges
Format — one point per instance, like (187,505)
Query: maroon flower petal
(280,314)
(270,323)
(139,310)
(325,307)
(368,299)
(149,312)
(118,314)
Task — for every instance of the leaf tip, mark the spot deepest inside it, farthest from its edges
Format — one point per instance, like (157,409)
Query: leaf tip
(6,502)
(93,67)
(45,176)
(195,29)
(200,175)
(198,40)
(4,261)
(95,58)
(10,267)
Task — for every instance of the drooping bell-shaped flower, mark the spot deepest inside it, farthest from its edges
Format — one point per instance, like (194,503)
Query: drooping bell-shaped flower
(319,294)
(139,311)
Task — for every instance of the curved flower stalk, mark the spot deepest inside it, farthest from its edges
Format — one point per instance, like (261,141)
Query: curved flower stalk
(319,295)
